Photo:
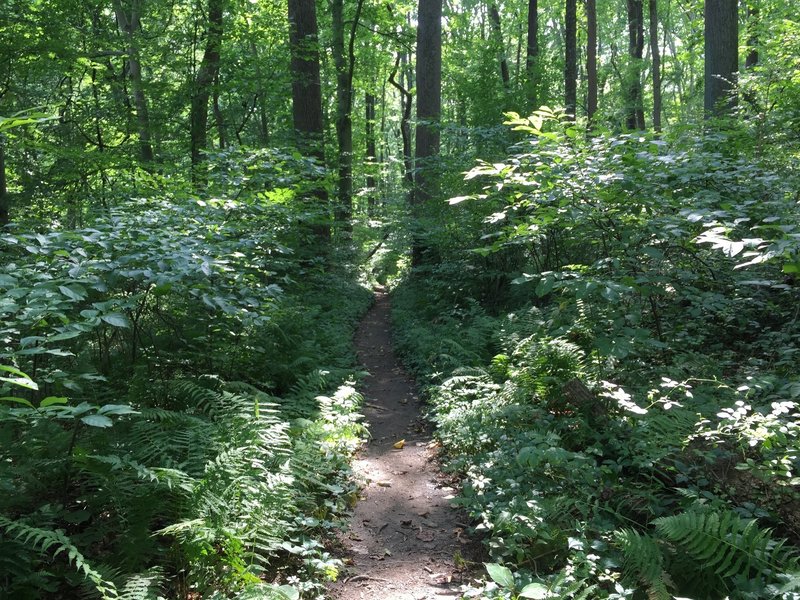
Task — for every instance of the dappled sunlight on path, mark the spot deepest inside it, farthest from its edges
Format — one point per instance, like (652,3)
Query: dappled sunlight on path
(405,542)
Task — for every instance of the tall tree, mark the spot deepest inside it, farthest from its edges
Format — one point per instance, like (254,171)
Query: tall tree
(307,91)
(202,88)
(571,57)
(406,105)
(591,58)
(655,53)
(722,55)
(345,67)
(497,30)
(429,107)
(753,21)
(4,199)
(369,134)
(306,88)
(532,54)
(130,25)
(634,97)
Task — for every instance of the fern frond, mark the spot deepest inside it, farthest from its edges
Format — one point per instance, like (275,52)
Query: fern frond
(55,542)
(644,562)
(728,545)
(143,586)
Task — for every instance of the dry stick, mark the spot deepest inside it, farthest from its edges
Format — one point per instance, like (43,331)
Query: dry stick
(364,578)
(378,247)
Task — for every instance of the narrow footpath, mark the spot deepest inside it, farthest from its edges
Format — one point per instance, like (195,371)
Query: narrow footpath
(405,542)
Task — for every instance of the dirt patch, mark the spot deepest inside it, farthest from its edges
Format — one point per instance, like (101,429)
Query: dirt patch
(405,541)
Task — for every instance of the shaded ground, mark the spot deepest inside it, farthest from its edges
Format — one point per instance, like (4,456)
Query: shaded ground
(405,542)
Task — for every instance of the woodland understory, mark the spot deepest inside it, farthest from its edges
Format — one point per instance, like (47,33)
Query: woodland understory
(599,302)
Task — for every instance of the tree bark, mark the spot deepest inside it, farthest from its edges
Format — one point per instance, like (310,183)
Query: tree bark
(406,99)
(202,89)
(306,87)
(753,21)
(655,53)
(571,57)
(532,54)
(634,101)
(369,134)
(5,200)
(219,118)
(429,108)
(131,27)
(722,56)
(307,94)
(497,30)
(345,66)
(591,58)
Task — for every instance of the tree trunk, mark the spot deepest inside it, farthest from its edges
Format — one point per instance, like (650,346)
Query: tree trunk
(655,53)
(306,88)
(429,107)
(307,93)
(532,54)
(405,124)
(5,200)
(345,66)
(634,102)
(591,58)
(722,56)
(753,21)
(202,89)
(219,118)
(130,27)
(369,134)
(497,30)
(571,57)
(263,120)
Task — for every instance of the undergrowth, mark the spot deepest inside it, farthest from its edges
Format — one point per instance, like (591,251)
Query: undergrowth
(611,365)
(178,406)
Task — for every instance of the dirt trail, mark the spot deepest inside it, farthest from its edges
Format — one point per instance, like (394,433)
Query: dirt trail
(404,539)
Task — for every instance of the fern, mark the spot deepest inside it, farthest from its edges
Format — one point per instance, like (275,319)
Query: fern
(55,543)
(727,545)
(143,586)
(644,561)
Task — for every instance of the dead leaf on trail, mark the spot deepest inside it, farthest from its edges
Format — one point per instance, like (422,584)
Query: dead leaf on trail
(426,535)
(399,444)
(384,483)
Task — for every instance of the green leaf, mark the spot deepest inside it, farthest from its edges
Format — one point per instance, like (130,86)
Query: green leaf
(75,292)
(97,421)
(50,400)
(534,590)
(545,287)
(501,575)
(13,371)
(17,400)
(23,382)
(116,319)
(791,267)
(287,592)
(116,409)
(66,335)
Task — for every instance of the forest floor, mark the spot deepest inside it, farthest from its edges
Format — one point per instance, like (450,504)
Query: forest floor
(405,541)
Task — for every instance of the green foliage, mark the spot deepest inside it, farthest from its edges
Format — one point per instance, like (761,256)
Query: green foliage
(727,545)
(623,413)
(178,409)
